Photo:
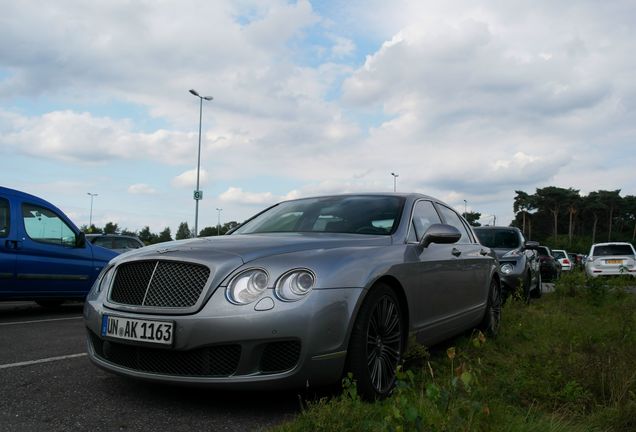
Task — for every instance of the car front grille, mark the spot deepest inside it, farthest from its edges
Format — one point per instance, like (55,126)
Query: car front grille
(169,284)
(280,356)
(213,361)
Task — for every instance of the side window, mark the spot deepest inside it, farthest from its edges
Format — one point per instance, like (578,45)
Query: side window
(120,243)
(4,218)
(42,225)
(133,244)
(453,219)
(424,215)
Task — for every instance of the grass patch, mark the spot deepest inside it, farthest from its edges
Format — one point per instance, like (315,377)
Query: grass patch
(566,362)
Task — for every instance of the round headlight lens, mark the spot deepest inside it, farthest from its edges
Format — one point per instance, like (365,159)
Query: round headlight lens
(295,285)
(247,286)
(507,268)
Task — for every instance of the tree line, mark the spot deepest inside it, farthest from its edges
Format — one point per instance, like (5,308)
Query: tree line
(565,219)
(149,237)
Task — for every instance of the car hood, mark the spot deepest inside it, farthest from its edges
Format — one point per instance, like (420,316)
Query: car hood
(249,247)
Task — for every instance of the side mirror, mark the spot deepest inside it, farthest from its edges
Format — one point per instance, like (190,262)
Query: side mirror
(80,240)
(533,245)
(439,233)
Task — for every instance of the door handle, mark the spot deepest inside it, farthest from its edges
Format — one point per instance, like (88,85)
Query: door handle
(456,252)
(483,252)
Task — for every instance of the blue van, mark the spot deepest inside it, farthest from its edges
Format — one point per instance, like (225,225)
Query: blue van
(43,256)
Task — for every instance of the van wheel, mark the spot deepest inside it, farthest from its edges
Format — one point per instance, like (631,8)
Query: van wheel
(377,343)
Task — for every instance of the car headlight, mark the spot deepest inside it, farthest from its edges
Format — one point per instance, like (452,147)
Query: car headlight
(247,286)
(104,279)
(512,253)
(295,284)
(507,268)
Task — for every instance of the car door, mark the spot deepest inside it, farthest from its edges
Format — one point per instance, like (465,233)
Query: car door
(428,273)
(471,269)
(48,261)
(7,248)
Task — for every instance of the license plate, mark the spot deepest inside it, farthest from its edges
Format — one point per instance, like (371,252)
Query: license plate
(614,261)
(157,332)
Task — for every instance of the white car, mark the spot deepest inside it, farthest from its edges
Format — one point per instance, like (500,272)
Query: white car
(611,259)
(564,259)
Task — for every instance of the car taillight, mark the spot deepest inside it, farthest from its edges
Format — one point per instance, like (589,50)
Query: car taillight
(566,261)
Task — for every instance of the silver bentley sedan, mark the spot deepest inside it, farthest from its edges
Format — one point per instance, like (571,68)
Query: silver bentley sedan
(298,295)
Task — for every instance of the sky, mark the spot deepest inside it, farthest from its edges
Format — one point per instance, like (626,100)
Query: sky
(466,101)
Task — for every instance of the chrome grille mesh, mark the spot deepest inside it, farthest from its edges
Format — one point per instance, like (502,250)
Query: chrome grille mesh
(159,283)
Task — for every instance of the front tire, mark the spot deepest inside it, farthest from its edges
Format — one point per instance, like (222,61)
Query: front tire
(492,318)
(377,343)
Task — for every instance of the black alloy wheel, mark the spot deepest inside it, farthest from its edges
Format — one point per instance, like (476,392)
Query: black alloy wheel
(492,317)
(377,343)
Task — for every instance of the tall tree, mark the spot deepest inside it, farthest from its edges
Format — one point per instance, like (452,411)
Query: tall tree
(629,211)
(146,236)
(111,228)
(165,235)
(522,204)
(572,202)
(183,232)
(472,218)
(551,198)
(611,199)
(593,205)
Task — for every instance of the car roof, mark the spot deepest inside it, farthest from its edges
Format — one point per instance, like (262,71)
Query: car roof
(611,243)
(490,227)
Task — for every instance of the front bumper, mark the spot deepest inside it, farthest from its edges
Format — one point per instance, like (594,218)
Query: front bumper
(224,345)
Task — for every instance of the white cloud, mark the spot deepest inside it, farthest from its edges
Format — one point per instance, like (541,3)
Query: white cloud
(236,195)
(141,189)
(189,178)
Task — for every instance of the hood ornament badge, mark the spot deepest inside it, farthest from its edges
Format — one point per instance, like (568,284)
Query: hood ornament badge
(166,250)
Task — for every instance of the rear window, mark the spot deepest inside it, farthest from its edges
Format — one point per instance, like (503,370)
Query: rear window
(615,249)
(558,254)
(498,239)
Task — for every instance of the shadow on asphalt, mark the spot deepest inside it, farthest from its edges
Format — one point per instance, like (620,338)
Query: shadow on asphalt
(31,310)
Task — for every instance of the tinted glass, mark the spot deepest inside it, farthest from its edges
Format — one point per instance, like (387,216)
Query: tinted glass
(133,244)
(614,249)
(120,243)
(498,239)
(378,215)
(544,251)
(44,226)
(4,217)
(453,219)
(103,242)
(424,215)
(558,254)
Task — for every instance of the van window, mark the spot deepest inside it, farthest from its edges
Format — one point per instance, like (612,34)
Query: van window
(43,225)
(4,218)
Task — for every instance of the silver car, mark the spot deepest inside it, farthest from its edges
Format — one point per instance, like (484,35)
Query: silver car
(611,259)
(296,296)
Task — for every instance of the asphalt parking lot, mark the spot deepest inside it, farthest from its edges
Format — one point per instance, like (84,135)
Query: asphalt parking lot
(48,384)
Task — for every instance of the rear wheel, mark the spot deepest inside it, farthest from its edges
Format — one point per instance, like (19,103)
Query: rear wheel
(492,317)
(377,343)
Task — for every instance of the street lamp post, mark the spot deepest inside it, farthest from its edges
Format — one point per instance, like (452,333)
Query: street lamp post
(465,211)
(218,225)
(90,217)
(198,195)
(395,176)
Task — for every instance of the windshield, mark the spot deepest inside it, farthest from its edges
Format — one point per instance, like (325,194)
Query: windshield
(365,214)
(614,249)
(498,239)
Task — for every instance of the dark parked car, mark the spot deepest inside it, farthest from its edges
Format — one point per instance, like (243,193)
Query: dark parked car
(549,265)
(115,242)
(43,255)
(518,260)
(296,296)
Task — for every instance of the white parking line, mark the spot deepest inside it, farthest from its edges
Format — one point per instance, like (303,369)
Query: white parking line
(44,360)
(38,321)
